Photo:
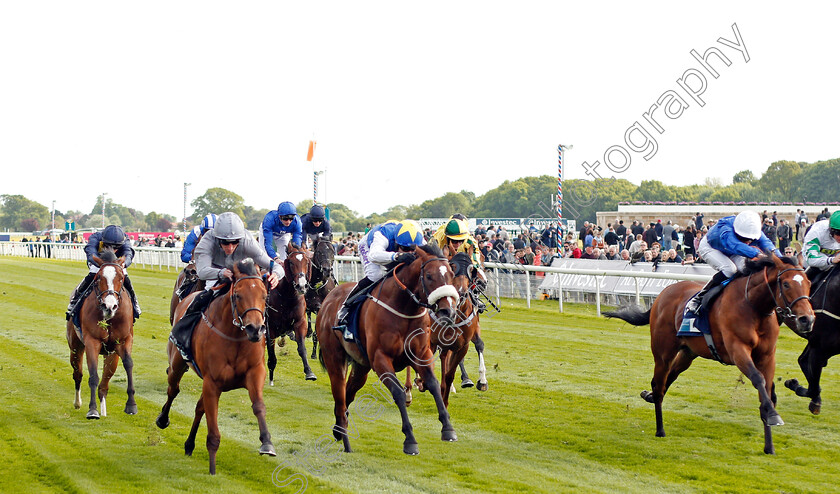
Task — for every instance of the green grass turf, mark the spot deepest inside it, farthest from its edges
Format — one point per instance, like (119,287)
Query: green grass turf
(563,414)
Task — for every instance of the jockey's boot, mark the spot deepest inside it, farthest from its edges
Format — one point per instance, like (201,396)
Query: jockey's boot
(134,303)
(77,294)
(693,305)
(361,286)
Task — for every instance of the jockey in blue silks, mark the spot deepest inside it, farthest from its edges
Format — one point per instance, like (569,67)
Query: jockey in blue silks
(208,223)
(727,247)
(278,227)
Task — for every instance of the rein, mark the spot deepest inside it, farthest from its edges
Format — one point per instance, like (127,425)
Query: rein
(422,283)
(783,310)
(99,293)
(237,317)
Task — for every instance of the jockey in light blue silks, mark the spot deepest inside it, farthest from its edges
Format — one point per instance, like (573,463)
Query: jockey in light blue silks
(391,241)
(208,223)
(727,247)
(278,228)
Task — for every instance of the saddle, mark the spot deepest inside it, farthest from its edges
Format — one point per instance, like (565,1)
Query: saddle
(181,334)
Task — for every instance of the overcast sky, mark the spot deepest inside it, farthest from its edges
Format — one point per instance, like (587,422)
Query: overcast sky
(407,101)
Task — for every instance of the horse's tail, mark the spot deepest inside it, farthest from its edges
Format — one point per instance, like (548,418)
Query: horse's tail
(632,314)
(321,358)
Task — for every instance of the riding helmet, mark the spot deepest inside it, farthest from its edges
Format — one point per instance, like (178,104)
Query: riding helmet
(748,225)
(286,208)
(229,226)
(317,212)
(208,223)
(834,223)
(457,230)
(112,234)
(409,234)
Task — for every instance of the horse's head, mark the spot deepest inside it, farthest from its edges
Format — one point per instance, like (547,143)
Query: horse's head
(108,283)
(297,266)
(248,297)
(323,256)
(791,291)
(435,280)
(464,272)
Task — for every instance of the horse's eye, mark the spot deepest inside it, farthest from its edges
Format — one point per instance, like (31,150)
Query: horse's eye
(786,285)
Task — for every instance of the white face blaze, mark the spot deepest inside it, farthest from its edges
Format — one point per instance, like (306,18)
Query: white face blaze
(444,291)
(111,302)
(443,271)
(299,257)
(798,278)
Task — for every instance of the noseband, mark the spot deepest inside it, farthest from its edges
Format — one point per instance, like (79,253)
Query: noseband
(100,295)
(784,310)
(422,283)
(237,316)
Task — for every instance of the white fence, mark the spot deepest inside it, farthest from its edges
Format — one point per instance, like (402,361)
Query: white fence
(578,280)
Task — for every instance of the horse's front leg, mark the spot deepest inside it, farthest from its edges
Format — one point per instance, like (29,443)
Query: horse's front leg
(482,371)
(427,372)
(384,368)
(76,352)
(108,370)
(811,362)
(762,380)
(175,371)
(300,336)
(92,348)
(128,365)
(272,359)
(309,331)
(254,383)
(408,386)
(210,399)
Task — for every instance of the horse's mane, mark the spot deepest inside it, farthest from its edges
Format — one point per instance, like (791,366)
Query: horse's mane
(462,263)
(766,261)
(247,267)
(108,256)
(431,249)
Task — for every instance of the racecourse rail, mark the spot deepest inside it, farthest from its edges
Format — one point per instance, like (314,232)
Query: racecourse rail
(504,280)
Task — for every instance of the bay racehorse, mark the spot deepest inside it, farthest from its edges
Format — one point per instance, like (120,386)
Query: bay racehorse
(107,328)
(229,350)
(453,337)
(823,341)
(743,325)
(393,334)
(287,308)
(321,282)
(187,283)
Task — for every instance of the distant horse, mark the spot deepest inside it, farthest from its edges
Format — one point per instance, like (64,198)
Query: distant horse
(823,341)
(287,308)
(187,278)
(453,337)
(229,350)
(393,334)
(107,327)
(321,282)
(744,330)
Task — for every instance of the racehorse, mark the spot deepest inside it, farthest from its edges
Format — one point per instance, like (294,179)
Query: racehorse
(229,350)
(392,335)
(823,341)
(187,278)
(321,282)
(743,325)
(107,328)
(453,338)
(287,308)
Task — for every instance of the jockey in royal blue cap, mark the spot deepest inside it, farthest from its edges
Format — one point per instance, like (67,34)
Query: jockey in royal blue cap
(315,223)
(208,223)
(113,238)
(278,228)
(383,244)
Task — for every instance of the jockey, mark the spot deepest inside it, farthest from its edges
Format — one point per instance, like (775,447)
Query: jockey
(822,244)
(192,239)
(227,244)
(315,223)
(278,227)
(383,244)
(114,238)
(726,247)
(454,236)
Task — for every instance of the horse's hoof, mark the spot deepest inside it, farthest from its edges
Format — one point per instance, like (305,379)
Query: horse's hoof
(93,414)
(792,384)
(267,449)
(467,383)
(419,384)
(770,451)
(162,422)
(77,405)
(282,342)
(814,407)
(660,433)
(411,449)
(188,448)
(131,409)
(448,436)
(271,383)
(482,386)
(774,420)
(310,376)
(647,396)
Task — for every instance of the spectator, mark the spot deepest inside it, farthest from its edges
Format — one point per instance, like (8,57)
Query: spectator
(611,238)
(625,255)
(650,235)
(667,232)
(658,227)
(689,259)
(674,257)
(598,254)
(769,230)
(803,229)
(785,235)
(621,231)
(698,221)
(612,253)
(637,228)
(638,246)
(688,240)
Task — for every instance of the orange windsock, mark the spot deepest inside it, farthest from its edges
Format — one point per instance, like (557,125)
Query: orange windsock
(311,151)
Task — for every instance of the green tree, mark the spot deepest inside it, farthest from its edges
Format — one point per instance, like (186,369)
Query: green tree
(819,182)
(744,177)
(254,217)
(16,208)
(217,200)
(442,207)
(780,181)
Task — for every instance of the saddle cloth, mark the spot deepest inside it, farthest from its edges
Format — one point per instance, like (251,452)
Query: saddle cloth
(181,334)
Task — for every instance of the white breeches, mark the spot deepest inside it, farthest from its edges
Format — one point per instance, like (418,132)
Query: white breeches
(720,261)
(374,272)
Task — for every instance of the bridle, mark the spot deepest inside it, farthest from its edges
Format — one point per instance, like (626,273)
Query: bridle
(411,294)
(237,316)
(99,294)
(783,310)
(324,269)
(287,267)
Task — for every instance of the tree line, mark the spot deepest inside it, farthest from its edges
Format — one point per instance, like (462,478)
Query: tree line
(783,181)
